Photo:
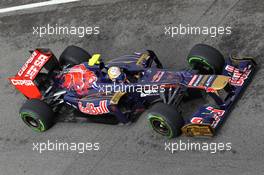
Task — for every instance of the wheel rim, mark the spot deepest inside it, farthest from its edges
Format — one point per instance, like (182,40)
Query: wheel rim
(32,122)
(159,125)
(203,66)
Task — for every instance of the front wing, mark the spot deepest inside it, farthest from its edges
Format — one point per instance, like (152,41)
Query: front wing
(209,118)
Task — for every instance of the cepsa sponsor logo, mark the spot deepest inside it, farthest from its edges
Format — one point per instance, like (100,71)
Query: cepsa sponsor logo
(25,66)
(91,109)
(22,82)
(238,77)
(34,67)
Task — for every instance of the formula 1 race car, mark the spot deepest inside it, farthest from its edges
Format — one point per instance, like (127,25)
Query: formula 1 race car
(123,88)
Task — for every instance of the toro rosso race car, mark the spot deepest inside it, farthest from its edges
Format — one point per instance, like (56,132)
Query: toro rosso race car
(129,86)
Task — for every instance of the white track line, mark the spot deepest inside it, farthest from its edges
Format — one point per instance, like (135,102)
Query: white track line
(34,5)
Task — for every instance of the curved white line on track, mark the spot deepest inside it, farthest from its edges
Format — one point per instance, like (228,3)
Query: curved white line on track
(34,5)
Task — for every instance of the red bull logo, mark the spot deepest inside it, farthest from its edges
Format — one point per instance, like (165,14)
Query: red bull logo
(92,110)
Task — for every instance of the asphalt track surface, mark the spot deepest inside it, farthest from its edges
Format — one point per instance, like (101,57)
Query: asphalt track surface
(128,26)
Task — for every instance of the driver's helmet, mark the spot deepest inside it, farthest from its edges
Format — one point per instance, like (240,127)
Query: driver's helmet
(115,74)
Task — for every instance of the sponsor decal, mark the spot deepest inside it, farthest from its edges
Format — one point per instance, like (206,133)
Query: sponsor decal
(202,81)
(22,82)
(217,114)
(92,110)
(198,80)
(36,66)
(157,76)
(197,120)
(33,65)
(25,66)
(32,71)
(192,80)
(210,80)
(238,77)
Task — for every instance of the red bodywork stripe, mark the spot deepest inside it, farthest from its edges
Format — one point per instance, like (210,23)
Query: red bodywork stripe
(192,80)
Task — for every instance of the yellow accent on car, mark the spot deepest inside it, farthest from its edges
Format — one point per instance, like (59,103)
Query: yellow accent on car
(198,130)
(143,57)
(94,60)
(220,82)
(117,96)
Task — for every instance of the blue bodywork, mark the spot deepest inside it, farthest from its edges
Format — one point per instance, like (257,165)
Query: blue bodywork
(144,69)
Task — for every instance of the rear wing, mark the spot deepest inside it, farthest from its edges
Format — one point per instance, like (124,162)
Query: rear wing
(24,79)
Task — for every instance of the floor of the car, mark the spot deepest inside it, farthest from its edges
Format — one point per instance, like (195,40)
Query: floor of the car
(75,116)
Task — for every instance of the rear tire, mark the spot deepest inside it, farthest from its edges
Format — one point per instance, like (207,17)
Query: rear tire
(37,115)
(165,120)
(206,59)
(73,55)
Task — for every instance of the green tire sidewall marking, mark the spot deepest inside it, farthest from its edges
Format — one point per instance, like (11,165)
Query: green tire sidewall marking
(201,60)
(152,117)
(39,129)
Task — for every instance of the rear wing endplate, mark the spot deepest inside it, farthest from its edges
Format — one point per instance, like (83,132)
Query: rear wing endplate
(24,79)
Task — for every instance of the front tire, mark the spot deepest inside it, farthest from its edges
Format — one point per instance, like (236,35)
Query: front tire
(165,120)
(206,59)
(37,115)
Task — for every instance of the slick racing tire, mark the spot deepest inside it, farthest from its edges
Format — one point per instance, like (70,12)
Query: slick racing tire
(165,120)
(37,115)
(73,55)
(206,59)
